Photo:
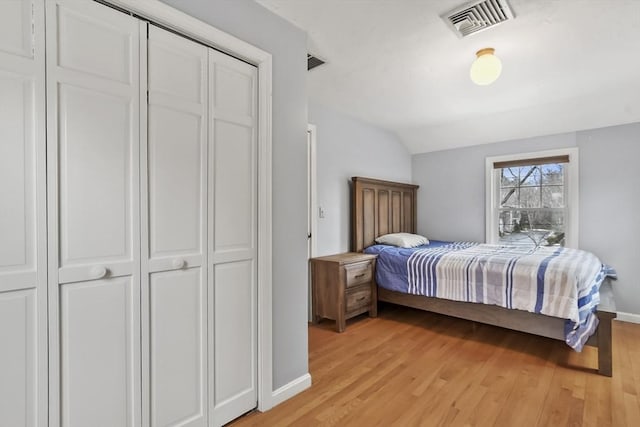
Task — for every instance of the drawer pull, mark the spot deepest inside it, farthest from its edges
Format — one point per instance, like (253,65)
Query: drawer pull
(98,272)
(361,299)
(357,276)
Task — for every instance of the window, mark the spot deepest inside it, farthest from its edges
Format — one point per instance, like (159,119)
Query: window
(532,198)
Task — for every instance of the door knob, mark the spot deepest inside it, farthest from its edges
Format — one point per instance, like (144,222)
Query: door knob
(98,272)
(178,263)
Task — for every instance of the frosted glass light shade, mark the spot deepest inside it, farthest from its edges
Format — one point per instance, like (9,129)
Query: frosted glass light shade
(486,68)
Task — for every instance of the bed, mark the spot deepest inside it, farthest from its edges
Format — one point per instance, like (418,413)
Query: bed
(383,207)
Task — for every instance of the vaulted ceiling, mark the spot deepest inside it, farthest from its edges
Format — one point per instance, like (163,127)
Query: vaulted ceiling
(567,65)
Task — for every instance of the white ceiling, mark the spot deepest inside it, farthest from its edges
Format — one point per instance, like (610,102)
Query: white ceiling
(567,65)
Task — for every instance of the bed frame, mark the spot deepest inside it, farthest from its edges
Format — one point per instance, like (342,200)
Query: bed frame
(381,207)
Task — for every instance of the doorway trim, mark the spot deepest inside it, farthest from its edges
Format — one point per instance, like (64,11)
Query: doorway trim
(191,27)
(312,204)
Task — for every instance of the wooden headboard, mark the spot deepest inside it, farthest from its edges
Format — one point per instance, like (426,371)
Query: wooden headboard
(381,207)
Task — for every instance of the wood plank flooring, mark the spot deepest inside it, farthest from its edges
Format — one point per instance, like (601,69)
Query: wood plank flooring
(412,368)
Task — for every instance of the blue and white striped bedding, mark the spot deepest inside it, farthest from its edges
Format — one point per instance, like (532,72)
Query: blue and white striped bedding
(554,281)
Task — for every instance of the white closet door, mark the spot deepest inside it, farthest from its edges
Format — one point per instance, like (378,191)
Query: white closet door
(94,235)
(23,272)
(233,238)
(174,170)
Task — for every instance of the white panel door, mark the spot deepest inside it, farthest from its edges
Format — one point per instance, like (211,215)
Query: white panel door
(174,171)
(233,237)
(93,145)
(23,272)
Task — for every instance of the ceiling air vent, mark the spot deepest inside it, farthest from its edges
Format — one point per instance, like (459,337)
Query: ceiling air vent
(313,61)
(478,16)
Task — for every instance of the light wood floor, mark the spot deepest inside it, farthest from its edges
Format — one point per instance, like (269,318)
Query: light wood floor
(408,368)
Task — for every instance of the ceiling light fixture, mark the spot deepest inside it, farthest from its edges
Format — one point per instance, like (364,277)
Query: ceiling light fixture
(486,68)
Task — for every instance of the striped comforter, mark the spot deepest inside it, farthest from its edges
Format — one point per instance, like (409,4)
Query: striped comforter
(554,281)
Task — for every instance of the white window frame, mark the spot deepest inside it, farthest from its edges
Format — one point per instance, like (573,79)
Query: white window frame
(572,188)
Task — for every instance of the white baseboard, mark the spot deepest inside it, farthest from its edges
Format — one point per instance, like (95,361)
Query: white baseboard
(628,317)
(289,390)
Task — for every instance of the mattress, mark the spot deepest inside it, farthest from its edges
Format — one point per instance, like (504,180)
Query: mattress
(554,281)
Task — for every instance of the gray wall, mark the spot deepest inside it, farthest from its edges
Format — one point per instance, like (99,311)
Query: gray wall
(347,147)
(451,199)
(252,23)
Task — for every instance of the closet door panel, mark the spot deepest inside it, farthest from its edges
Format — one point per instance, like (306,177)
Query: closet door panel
(234,346)
(176,67)
(109,53)
(93,73)
(18,358)
(16,27)
(175,198)
(178,375)
(233,170)
(175,232)
(235,89)
(233,228)
(97,335)
(95,177)
(18,176)
(23,275)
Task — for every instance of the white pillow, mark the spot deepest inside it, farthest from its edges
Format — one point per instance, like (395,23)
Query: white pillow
(403,240)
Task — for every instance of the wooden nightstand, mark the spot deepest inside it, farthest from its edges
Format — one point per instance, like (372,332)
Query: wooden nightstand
(343,286)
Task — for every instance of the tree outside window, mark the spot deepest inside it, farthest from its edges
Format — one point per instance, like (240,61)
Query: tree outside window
(532,204)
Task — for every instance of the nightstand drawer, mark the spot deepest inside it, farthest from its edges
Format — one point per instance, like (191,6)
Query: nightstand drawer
(358,273)
(358,297)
